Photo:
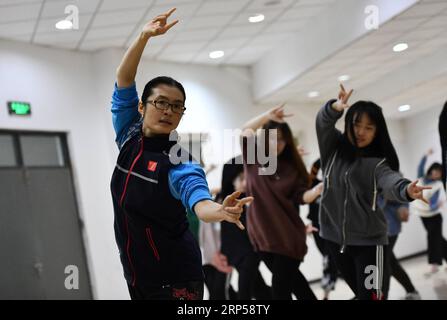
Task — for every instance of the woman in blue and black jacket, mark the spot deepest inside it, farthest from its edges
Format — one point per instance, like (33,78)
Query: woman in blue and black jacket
(154,183)
(358,165)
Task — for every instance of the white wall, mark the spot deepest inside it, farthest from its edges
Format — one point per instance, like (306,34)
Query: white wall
(59,86)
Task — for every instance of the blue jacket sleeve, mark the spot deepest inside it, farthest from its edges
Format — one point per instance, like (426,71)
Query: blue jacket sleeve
(124,110)
(434,201)
(422,166)
(187,183)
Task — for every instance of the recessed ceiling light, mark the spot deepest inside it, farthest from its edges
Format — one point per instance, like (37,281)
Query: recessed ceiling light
(216,54)
(404,108)
(313,94)
(256,18)
(64,25)
(344,77)
(400,47)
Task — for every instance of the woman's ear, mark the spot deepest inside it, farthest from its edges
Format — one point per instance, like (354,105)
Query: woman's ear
(141,108)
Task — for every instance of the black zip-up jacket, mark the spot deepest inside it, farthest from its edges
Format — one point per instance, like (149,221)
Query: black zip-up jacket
(151,228)
(443,137)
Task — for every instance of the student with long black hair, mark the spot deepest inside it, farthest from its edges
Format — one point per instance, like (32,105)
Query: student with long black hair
(275,227)
(150,192)
(358,165)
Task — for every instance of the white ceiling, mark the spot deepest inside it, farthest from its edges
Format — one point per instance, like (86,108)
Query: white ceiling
(371,59)
(205,25)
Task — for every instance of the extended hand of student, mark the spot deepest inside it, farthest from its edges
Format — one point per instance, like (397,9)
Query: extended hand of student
(343,97)
(159,25)
(318,189)
(232,208)
(403,214)
(302,151)
(277,114)
(220,262)
(415,192)
(310,229)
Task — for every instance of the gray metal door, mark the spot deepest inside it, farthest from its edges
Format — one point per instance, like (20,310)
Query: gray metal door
(40,229)
(19,272)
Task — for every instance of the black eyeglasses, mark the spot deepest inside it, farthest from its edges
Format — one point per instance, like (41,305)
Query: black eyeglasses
(164,105)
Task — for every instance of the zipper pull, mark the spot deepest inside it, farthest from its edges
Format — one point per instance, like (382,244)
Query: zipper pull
(374,200)
(342,249)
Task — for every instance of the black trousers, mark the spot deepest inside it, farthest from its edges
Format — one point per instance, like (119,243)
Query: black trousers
(192,290)
(251,283)
(396,269)
(217,284)
(287,278)
(363,268)
(330,272)
(437,245)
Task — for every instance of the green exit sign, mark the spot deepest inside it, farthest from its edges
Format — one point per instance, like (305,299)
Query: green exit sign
(19,108)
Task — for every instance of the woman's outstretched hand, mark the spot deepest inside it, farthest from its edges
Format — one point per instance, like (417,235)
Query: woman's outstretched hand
(159,25)
(415,192)
(343,97)
(232,208)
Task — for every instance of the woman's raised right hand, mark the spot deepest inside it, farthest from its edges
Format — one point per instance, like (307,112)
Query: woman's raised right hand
(159,25)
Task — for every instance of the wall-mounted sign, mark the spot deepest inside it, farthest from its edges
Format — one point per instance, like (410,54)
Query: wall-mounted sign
(19,108)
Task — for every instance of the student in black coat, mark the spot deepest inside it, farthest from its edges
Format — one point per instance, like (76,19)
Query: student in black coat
(235,244)
(443,137)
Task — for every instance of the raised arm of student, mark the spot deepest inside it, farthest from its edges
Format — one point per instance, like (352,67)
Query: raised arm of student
(276,114)
(327,117)
(422,163)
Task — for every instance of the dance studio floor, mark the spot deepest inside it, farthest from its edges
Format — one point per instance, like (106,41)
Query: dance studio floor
(433,287)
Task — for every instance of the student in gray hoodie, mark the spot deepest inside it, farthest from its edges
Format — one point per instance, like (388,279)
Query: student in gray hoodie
(358,165)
